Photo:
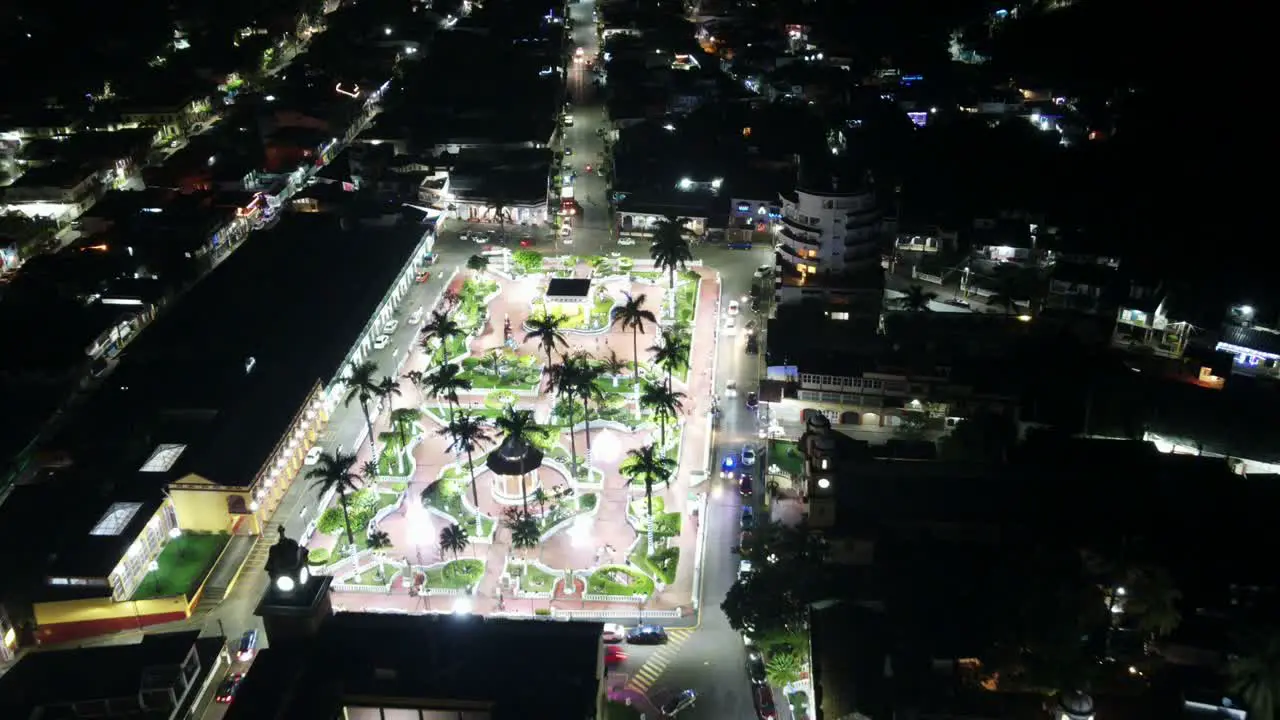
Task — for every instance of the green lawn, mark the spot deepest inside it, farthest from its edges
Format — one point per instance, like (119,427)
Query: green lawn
(535,579)
(393,460)
(786,455)
(619,580)
(686,299)
(456,574)
(362,534)
(184,563)
(371,576)
(445,495)
(662,564)
(625,384)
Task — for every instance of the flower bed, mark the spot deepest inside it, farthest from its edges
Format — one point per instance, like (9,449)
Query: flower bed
(619,580)
(534,579)
(380,574)
(455,574)
(661,564)
(445,495)
(362,506)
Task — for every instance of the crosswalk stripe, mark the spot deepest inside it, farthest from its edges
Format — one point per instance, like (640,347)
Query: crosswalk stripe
(648,674)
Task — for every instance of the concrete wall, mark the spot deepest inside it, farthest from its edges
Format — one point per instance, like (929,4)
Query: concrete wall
(70,620)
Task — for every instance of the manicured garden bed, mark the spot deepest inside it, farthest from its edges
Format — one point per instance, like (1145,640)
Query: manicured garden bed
(516,372)
(619,580)
(535,579)
(662,564)
(445,495)
(786,455)
(393,460)
(566,508)
(184,563)
(455,574)
(381,574)
(361,506)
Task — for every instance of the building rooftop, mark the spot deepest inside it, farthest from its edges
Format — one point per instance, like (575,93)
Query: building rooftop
(62,175)
(225,370)
(441,662)
(568,287)
(48,684)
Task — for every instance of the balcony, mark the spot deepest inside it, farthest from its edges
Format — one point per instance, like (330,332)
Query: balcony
(792,222)
(794,236)
(855,220)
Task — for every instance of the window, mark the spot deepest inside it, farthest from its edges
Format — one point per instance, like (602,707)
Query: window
(116,519)
(163,457)
(840,316)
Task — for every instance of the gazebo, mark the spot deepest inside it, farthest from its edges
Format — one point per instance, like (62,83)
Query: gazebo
(515,466)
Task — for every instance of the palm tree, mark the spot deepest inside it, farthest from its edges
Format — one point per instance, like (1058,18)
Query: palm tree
(613,366)
(369,472)
(379,540)
(671,352)
(632,316)
(492,361)
(647,466)
(546,330)
(477,264)
(540,496)
(362,386)
(388,389)
(525,533)
(336,472)
(401,420)
(502,214)
(417,377)
(664,403)
(441,328)
(916,299)
(670,249)
(445,383)
(562,379)
(467,432)
(454,539)
(518,425)
(1255,676)
(584,379)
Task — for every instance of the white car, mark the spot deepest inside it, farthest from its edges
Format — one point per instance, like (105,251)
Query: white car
(744,568)
(731,388)
(464,236)
(381,341)
(626,241)
(390,326)
(733,308)
(313,455)
(614,633)
(748,455)
(416,317)
(730,326)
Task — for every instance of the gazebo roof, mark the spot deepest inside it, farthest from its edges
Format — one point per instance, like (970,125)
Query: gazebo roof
(514,457)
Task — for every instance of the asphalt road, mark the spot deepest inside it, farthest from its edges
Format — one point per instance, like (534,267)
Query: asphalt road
(591,231)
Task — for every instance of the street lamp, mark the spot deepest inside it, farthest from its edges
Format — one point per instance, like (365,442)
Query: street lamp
(152,567)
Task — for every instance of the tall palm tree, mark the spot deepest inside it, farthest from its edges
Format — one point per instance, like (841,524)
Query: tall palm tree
(401,420)
(632,316)
(670,249)
(467,432)
(1255,675)
(445,383)
(363,386)
(584,383)
(518,425)
(525,533)
(545,329)
(336,472)
(541,497)
(562,379)
(477,264)
(388,390)
(369,472)
(664,403)
(613,366)
(379,540)
(916,299)
(454,539)
(648,466)
(671,352)
(441,328)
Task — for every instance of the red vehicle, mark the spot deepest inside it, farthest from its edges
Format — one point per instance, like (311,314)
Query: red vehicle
(424,276)
(227,690)
(526,242)
(614,655)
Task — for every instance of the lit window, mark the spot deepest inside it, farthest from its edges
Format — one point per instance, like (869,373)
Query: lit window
(839,316)
(116,519)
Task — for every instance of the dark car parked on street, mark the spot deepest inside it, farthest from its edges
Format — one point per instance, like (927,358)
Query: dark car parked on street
(647,635)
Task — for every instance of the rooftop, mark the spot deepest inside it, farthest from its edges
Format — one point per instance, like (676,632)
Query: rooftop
(568,287)
(45,684)
(431,662)
(225,370)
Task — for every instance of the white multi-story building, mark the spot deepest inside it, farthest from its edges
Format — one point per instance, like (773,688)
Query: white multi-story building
(830,239)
